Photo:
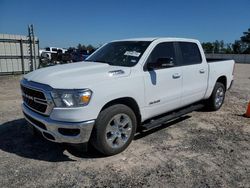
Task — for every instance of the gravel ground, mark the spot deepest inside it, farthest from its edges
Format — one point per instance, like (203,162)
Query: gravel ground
(202,149)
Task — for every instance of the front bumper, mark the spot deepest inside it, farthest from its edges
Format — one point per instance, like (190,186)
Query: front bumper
(59,131)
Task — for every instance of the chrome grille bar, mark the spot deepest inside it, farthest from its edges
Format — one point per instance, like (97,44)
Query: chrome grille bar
(37,97)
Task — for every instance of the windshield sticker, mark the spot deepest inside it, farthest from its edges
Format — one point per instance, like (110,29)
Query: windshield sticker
(132,53)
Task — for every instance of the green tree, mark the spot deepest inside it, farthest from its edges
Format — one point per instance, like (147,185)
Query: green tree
(84,47)
(208,47)
(228,49)
(221,46)
(245,39)
(90,49)
(237,47)
(216,45)
(81,48)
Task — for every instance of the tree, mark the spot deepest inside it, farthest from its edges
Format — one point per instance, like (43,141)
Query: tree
(237,47)
(81,48)
(221,46)
(208,47)
(228,49)
(71,49)
(90,49)
(245,39)
(216,45)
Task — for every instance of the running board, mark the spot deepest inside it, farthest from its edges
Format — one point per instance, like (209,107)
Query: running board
(153,123)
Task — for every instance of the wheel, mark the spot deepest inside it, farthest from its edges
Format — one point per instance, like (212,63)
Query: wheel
(114,129)
(217,98)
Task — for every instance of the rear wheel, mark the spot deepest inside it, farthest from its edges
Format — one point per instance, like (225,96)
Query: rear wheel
(217,98)
(114,129)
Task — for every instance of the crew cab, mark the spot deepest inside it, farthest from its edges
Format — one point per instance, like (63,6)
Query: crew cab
(124,86)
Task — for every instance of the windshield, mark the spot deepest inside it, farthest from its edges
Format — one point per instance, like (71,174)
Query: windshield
(123,53)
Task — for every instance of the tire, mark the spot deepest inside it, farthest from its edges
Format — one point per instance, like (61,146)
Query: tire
(114,129)
(216,100)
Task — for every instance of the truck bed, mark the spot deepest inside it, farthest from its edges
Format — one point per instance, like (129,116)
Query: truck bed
(214,60)
(218,68)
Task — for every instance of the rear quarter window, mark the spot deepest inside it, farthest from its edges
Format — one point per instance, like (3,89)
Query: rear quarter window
(190,53)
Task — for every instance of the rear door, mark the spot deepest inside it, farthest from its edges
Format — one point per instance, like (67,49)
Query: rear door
(194,73)
(162,85)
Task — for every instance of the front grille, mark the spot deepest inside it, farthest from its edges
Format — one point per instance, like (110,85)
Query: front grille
(34,99)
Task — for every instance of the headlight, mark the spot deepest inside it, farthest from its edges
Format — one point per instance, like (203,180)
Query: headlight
(71,98)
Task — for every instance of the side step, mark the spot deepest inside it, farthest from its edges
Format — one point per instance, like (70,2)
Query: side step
(153,123)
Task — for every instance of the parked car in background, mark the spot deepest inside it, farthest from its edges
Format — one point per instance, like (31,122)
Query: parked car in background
(46,53)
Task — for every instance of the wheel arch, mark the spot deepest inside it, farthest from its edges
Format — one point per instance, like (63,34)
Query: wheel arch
(223,80)
(128,101)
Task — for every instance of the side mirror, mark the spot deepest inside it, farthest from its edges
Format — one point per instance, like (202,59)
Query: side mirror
(164,62)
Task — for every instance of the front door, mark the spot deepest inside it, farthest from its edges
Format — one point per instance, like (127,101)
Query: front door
(162,85)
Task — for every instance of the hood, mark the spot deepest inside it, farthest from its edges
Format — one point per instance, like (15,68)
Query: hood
(77,75)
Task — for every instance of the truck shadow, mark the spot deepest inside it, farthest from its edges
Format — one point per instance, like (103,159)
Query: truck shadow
(16,138)
(142,134)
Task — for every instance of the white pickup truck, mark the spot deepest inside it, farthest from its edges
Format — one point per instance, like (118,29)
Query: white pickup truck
(125,86)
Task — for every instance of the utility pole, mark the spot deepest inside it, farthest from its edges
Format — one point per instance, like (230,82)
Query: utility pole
(32,46)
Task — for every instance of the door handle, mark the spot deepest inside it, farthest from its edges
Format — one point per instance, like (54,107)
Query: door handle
(176,75)
(202,71)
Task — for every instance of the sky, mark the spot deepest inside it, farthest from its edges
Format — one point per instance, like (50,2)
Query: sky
(67,23)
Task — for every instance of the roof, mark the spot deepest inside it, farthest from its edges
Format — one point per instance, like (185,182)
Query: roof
(137,39)
(156,38)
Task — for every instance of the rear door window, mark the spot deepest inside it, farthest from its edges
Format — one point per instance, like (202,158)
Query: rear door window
(190,53)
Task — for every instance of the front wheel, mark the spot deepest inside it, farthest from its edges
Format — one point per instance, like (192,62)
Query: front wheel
(114,129)
(217,98)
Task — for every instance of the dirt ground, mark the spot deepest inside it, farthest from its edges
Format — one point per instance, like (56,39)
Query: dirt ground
(202,149)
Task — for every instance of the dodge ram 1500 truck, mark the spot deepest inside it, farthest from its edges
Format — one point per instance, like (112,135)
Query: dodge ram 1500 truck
(125,86)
